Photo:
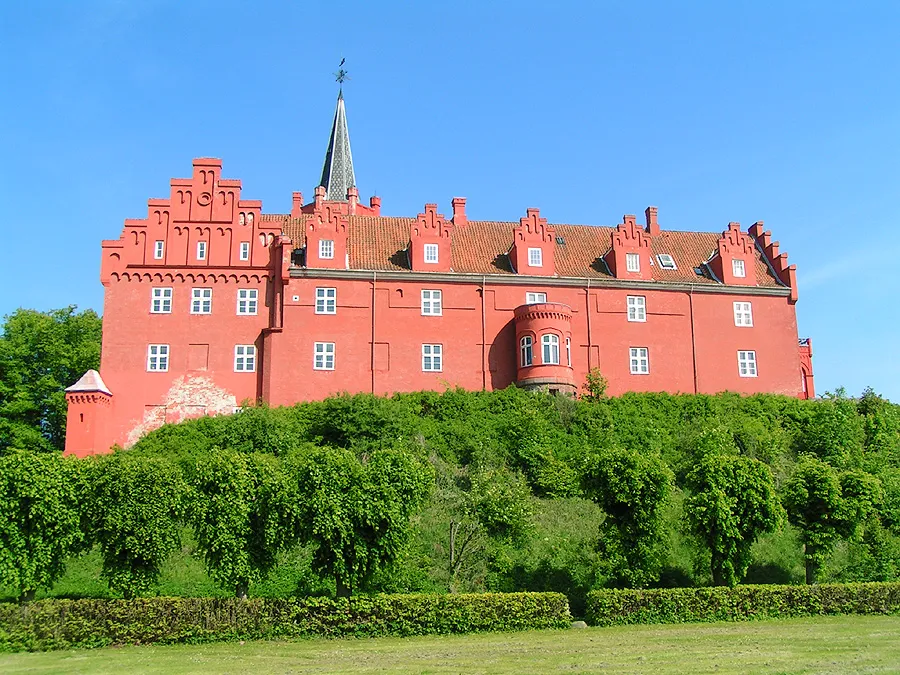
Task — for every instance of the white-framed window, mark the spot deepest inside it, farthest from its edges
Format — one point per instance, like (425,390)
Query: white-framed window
(431,253)
(159,247)
(640,360)
(161,301)
(637,308)
(747,363)
(432,358)
(245,250)
(569,352)
(633,262)
(534,298)
(201,250)
(326,301)
(326,249)
(247,301)
(244,358)
(550,345)
(323,356)
(157,358)
(526,351)
(666,261)
(201,300)
(743,314)
(535,257)
(738,269)
(431,303)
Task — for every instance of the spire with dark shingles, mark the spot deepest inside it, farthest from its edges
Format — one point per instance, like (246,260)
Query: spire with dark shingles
(337,174)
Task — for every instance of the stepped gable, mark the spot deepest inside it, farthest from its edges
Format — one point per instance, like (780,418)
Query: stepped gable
(481,248)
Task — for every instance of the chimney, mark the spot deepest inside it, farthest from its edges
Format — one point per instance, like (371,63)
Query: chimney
(375,205)
(353,198)
(652,222)
(459,211)
(296,204)
(320,196)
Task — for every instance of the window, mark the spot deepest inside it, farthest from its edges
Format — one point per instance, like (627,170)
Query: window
(743,314)
(323,356)
(747,364)
(737,268)
(526,351)
(666,261)
(640,361)
(247,300)
(158,248)
(157,358)
(245,250)
(161,301)
(550,344)
(201,300)
(326,301)
(534,298)
(637,308)
(535,257)
(326,249)
(431,303)
(201,250)
(431,253)
(244,358)
(432,357)
(633,262)
(569,352)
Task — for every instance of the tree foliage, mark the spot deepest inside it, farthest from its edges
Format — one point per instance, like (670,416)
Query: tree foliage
(733,502)
(42,353)
(136,509)
(243,514)
(40,518)
(356,513)
(632,489)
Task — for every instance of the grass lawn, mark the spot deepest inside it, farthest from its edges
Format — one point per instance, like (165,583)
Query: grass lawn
(839,645)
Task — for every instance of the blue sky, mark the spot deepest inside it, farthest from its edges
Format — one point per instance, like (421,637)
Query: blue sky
(712,111)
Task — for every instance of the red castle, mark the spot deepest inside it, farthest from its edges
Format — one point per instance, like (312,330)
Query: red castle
(211,303)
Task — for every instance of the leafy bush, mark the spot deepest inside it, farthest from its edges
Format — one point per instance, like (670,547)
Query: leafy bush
(59,624)
(682,605)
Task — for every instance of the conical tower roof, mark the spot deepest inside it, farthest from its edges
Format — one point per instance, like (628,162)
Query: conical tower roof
(337,174)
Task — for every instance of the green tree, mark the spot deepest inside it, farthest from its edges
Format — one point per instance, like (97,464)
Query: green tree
(834,431)
(42,353)
(733,502)
(136,507)
(243,515)
(632,489)
(355,513)
(40,518)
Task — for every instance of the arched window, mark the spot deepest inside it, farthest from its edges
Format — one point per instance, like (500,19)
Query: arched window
(569,352)
(526,351)
(551,349)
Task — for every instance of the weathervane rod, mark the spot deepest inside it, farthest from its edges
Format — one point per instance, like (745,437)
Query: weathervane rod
(341,74)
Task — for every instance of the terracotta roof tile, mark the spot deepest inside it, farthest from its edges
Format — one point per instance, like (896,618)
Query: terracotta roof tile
(380,242)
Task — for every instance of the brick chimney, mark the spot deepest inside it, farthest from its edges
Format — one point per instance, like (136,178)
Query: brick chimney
(652,222)
(296,204)
(459,211)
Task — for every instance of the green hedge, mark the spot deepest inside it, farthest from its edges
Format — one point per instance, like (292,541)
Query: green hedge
(58,624)
(682,605)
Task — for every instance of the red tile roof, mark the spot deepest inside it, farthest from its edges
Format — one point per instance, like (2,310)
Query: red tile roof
(480,247)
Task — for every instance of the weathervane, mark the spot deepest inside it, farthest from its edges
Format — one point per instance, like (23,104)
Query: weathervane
(341,74)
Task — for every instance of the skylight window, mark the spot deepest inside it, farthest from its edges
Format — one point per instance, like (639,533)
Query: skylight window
(666,261)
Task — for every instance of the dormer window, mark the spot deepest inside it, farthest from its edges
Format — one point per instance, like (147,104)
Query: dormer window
(201,250)
(431,253)
(738,269)
(666,261)
(326,249)
(633,262)
(535,257)
(158,249)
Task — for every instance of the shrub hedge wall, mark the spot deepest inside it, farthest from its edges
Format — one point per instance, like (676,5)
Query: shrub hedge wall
(682,605)
(58,624)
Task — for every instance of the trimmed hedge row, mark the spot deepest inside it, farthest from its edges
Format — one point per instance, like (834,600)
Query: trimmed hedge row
(683,605)
(58,624)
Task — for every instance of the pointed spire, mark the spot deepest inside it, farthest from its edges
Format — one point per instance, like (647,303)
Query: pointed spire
(337,174)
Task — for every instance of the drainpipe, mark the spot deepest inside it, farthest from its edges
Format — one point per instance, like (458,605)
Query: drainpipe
(372,347)
(587,307)
(483,338)
(693,340)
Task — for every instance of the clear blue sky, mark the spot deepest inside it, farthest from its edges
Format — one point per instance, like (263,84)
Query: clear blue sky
(787,112)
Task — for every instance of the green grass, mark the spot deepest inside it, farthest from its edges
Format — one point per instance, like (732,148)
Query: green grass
(839,645)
